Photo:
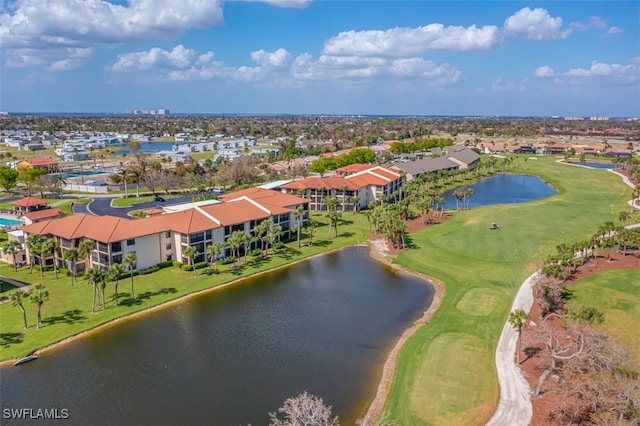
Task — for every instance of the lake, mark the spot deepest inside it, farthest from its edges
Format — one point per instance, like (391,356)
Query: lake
(230,357)
(503,189)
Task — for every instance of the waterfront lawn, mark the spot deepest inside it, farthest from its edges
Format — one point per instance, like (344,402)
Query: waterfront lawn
(446,371)
(616,293)
(68,312)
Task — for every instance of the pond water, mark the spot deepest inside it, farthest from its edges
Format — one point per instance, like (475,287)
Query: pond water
(231,356)
(148,147)
(596,165)
(503,189)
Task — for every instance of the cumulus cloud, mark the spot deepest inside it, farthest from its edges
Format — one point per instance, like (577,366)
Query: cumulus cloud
(295,4)
(535,24)
(501,85)
(54,26)
(544,72)
(613,31)
(402,42)
(601,69)
(179,63)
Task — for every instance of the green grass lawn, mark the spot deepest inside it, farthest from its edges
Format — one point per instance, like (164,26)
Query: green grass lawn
(68,312)
(445,372)
(616,293)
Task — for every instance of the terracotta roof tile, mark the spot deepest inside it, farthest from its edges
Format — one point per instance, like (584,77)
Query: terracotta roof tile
(44,214)
(29,202)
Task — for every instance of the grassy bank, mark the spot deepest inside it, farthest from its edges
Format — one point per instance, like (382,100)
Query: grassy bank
(617,294)
(446,372)
(68,312)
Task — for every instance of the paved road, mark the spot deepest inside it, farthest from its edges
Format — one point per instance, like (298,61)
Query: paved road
(102,206)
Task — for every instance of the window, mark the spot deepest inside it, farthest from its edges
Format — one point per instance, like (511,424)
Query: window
(168,246)
(116,258)
(131,242)
(208,235)
(167,234)
(116,247)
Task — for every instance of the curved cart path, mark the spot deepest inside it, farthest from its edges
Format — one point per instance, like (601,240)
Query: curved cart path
(515,406)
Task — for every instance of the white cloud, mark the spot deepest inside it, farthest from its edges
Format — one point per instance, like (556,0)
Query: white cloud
(597,22)
(613,31)
(49,28)
(403,42)
(544,72)
(501,85)
(535,24)
(278,59)
(600,69)
(294,4)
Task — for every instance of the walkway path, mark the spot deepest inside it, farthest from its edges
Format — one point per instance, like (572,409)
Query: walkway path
(13,282)
(515,406)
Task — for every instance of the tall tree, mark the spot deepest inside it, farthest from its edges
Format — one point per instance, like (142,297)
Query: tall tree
(38,295)
(12,247)
(191,253)
(94,275)
(304,409)
(113,274)
(85,248)
(518,320)
(8,178)
(51,246)
(71,256)
(130,262)
(298,216)
(16,298)
(34,246)
(213,251)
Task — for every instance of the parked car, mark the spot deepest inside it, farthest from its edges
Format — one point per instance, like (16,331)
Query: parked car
(158,199)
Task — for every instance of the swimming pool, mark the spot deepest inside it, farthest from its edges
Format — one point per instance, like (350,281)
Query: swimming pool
(9,222)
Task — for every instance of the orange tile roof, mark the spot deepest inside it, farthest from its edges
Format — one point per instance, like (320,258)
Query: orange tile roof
(44,214)
(352,168)
(234,212)
(42,161)
(29,202)
(266,197)
(334,182)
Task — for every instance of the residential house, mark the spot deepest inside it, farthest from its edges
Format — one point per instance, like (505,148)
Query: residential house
(42,163)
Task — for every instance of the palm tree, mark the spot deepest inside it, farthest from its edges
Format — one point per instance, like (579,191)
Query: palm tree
(298,216)
(344,188)
(51,246)
(16,300)
(12,247)
(246,242)
(124,178)
(274,235)
(113,274)
(38,295)
(234,242)
(129,262)
(34,242)
(71,255)
(213,251)
(85,248)
(468,193)
(518,320)
(354,201)
(261,230)
(94,275)
(312,224)
(191,253)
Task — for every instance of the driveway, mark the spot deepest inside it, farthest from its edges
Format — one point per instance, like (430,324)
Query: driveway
(102,206)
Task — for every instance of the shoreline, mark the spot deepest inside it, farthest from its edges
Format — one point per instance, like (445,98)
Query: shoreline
(378,252)
(163,305)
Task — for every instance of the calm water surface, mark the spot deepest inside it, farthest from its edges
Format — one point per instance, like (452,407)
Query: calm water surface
(229,357)
(503,189)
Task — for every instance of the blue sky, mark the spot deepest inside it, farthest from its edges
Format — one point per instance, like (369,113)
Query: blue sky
(322,57)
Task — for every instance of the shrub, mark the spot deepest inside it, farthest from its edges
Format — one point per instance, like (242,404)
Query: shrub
(64,271)
(177,263)
(128,274)
(187,268)
(255,252)
(149,270)
(200,265)
(225,261)
(165,264)
(279,245)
